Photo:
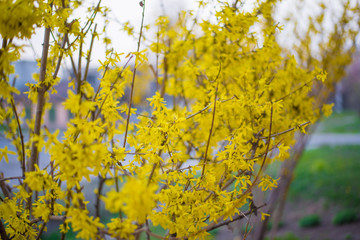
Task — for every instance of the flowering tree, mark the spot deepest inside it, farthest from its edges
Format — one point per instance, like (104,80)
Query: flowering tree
(328,41)
(236,102)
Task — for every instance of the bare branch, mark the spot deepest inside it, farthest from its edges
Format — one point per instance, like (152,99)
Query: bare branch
(21,138)
(134,74)
(286,131)
(212,123)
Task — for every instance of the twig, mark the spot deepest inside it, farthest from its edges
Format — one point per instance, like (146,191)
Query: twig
(10,178)
(202,110)
(119,76)
(43,226)
(263,161)
(212,123)
(3,234)
(41,99)
(51,217)
(212,227)
(295,90)
(89,55)
(134,74)
(266,152)
(97,204)
(205,108)
(21,138)
(152,173)
(147,230)
(286,131)
(61,55)
(78,76)
(90,21)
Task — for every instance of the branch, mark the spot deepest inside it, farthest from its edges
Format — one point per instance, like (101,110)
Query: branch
(305,84)
(41,99)
(202,110)
(21,138)
(3,234)
(10,178)
(286,131)
(134,74)
(209,228)
(111,88)
(5,188)
(78,76)
(51,217)
(263,161)
(194,114)
(212,124)
(89,55)
(60,57)
(267,150)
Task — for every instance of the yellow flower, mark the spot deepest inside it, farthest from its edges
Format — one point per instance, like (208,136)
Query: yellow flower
(264,215)
(4,153)
(327,109)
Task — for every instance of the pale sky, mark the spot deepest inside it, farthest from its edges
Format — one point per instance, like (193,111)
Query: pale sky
(130,10)
(121,12)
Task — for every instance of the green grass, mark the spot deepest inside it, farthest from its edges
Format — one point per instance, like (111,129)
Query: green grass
(70,235)
(345,122)
(288,236)
(155,229)
(330,172)
(345,216)
(309,221)
(270,224)
(162,232)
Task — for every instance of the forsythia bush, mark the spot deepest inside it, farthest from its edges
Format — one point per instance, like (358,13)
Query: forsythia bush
(235,103)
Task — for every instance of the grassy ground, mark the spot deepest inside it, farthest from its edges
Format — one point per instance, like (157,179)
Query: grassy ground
(330,172)
(328,178)
(345,122)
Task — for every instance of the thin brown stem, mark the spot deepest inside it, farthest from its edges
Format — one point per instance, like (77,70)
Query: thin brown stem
(134,74)
(10,178)
(295,90)
(97,204)
(61,55)
(157,60)
(148,230)
(263,161)
(111,88)
(43,226)
(286,131)
(212,124)
(21,138)
(78,76)
(202,110)
(215,226)
(207,107)
(266,152)
(41,99)
(3,234)
(152,173)
(5,188)
(89,55)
